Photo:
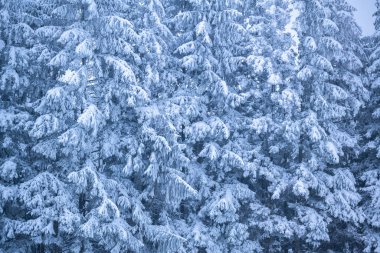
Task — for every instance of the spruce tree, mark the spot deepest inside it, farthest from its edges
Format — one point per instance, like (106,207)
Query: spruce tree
(105,126)
(212,43)
(368,166)
(332,94)
(306,141)
(270,75)
(187,126)
(27,189)
(92,42)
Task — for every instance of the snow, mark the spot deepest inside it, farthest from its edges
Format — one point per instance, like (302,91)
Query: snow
(188,126)
(91,119)
(332,152)
(8,170)
(291,28)
(70,77)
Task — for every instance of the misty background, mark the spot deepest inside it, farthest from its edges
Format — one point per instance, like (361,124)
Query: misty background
(364,14)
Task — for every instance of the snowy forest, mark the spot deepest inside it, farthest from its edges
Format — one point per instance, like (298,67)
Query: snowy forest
(188,126)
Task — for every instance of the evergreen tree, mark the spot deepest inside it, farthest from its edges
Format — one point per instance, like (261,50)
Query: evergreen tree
(156,166)
(272,64)
(212,43)
(93,42)
(23,181)
(187,126)
(306,142)
(104,125)
(332,94)
(368,166)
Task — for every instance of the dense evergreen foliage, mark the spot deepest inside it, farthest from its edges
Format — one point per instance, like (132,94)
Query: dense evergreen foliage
(188,126)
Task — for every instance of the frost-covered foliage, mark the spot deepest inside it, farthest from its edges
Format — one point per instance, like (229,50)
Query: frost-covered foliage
(24,213)
(212,45)
(331,97)
(325,144)
(187,126)
(369,170)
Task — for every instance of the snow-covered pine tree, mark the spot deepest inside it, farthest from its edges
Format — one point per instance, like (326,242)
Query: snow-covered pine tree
(212,44)
(323,185)
(27,190)
(105,125)
(94,66)
(371,154)
(307,140)
(232,131)
(270,78)
(157,165)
